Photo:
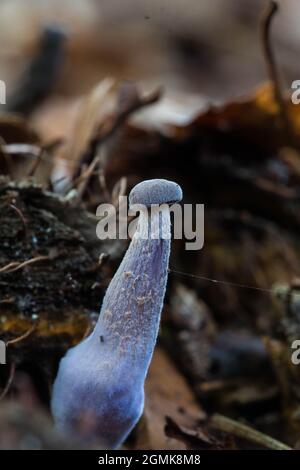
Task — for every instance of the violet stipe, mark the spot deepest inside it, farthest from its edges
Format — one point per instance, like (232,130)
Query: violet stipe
(98,394)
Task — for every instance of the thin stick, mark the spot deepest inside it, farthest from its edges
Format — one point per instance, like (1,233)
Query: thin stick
(228,425)
(83,177)
(272,69)
(22,337)
(103,185)
(86,176)
(59,180)
(136,104)
(9,381)
(36,163)
(21,217)
(6,157)
(15,266)
(119,190)
(8,301)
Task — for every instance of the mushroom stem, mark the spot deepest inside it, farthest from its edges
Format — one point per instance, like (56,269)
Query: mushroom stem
(99,389)
(129,320)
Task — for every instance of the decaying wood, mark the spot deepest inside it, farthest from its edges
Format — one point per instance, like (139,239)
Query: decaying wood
(46,273)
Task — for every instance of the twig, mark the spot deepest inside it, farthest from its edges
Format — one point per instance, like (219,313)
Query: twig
(129,102)
(82,180)
(272,69)
(9,380)
(8,301)
(103,185)
(36,163)
(21,217)
(6,157)
(119,190)
(83,177)
(58,181)
(42,154)
(15,265)
(228,425)
(86,176)
(22,337)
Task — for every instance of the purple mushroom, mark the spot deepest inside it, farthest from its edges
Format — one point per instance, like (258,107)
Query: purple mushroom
(98,393)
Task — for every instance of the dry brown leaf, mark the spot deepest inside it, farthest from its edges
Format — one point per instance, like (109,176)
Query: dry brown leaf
(197,437)
(255,118)
(167,394)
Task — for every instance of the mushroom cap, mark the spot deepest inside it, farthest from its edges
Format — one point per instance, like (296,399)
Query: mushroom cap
(156,191)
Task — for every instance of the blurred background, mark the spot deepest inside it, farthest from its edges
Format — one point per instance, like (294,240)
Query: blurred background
(76,123)
(209,48)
